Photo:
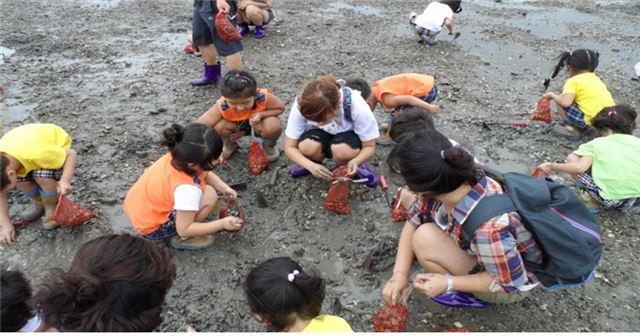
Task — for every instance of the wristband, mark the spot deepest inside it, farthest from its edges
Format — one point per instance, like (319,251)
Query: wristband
(449,283)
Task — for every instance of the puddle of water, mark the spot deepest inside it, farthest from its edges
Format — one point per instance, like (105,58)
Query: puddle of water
(360,9)
(117,219)
(14,108)
(173,41)
(102,4)
(5,53)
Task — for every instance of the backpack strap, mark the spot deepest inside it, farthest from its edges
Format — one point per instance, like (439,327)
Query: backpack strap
(487,208)
(346,100)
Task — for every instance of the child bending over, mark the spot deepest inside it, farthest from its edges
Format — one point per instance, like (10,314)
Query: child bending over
(116,283)
(38,160)
(177,193)
(254,12)
(330,120)
(608,167)
(285,298)
(583,95)
(244,105)
(429,24)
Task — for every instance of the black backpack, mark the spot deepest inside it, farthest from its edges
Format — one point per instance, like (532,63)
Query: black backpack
(455,5)
(566,232)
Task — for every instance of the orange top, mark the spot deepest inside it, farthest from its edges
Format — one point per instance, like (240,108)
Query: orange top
(230,114)
(150,201)
(410,84)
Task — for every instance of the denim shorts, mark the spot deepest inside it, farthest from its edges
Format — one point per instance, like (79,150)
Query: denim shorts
(166,230)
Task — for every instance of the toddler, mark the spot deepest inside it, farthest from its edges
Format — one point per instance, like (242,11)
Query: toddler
(429,24)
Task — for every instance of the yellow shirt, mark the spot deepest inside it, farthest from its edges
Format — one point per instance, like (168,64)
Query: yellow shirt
(591,94)
(327,323)
(36,146)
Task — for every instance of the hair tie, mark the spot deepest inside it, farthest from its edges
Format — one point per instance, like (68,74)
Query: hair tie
(292,275)
(612,113)
(442,154)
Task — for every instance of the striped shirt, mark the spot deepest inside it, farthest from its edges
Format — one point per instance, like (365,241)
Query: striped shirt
(502,244)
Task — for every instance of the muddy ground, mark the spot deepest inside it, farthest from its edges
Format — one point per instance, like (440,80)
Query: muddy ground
(113,74)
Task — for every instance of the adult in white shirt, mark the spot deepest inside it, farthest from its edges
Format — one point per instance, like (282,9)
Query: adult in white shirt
(330,121)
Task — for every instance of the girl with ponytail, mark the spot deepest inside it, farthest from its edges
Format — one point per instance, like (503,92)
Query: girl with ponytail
(583,96)
(491,264)
(286,298)
(174,196)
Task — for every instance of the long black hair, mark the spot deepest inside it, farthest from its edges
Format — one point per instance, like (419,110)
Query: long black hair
(193,144)
(579,60)
(279,290)
(619,119)
(429,163)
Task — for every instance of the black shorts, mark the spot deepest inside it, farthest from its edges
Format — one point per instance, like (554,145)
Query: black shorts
(326,139)
(204,31)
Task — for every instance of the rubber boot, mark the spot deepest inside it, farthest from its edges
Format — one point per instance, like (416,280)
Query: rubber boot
(37,208)
(243,28)
(260,32)
(50,203)
(228,148)
(211,75)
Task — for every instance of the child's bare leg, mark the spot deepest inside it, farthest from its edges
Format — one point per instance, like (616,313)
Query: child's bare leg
(311,149)
(257,16)
(234,62)
(31,190)
(209,54)
(225,128)
(207,202)
(269,128)
(47,185)
(343,153)
(438,253)
(27,187)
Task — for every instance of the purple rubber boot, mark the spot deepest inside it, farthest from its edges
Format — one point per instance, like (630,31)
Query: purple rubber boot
(297,171)
(260,32)
(211,75)
(370,175)
(457,299)
(243,28)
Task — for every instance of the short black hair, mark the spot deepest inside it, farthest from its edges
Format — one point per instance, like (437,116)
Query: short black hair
(278,298)
(619,119)
(193,144)
(238,84)
(116,283)
(360,85)
(430,163)
(15,294)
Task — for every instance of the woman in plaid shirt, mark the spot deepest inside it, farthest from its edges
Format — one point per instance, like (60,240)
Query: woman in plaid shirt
(491,265)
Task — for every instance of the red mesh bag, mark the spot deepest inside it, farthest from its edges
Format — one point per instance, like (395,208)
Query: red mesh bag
(337,199)
(258,161)
(225,29)
(70,214)
(391,318)
(542,112)
(398,211)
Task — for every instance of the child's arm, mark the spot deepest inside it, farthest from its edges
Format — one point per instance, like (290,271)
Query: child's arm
(186,226)
(393,100)
(581,165)
(434,283)
(274,108)
(448,22)
(404,258)
(8,234)
(565,99)
(294,154)
(216,182)
(211,117)
(366,153)
(68,169)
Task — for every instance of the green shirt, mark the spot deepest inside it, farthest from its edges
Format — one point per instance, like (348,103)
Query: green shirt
(616,165)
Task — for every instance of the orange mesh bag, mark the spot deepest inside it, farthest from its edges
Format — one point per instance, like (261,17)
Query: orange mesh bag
(391,318)
(225,29)
(542,112)
(337,199)
(258,161)
(70,214)
(398,211)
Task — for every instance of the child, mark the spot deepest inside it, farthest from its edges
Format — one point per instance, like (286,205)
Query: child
(116,283)
(429,24)
(286,298)
(399,92)
(205,38)
(38,159)
(583,95)
(254,12)
(608,167)
(491,264)
(178,192)
(330,120)
(242,106)
(15,297)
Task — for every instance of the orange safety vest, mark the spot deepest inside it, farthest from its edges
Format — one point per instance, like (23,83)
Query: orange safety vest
(150,201)
(230,114)
(410,84)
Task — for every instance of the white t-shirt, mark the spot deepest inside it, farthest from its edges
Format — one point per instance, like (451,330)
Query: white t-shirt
(637,68)
(186,197)
(364,122)
(433,16)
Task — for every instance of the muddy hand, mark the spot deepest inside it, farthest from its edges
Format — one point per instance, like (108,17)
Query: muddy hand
(320,171)
(8,234)
(64,187)
(352,168)
(223,6)
(230,194)
(232,223)
(395,287)
(546,167)
(255,119)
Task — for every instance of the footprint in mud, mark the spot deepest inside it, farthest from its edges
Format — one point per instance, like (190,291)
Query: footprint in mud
(381,257)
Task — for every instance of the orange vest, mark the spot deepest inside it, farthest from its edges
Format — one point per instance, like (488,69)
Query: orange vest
(150,201)
(230,114)
(411,84)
